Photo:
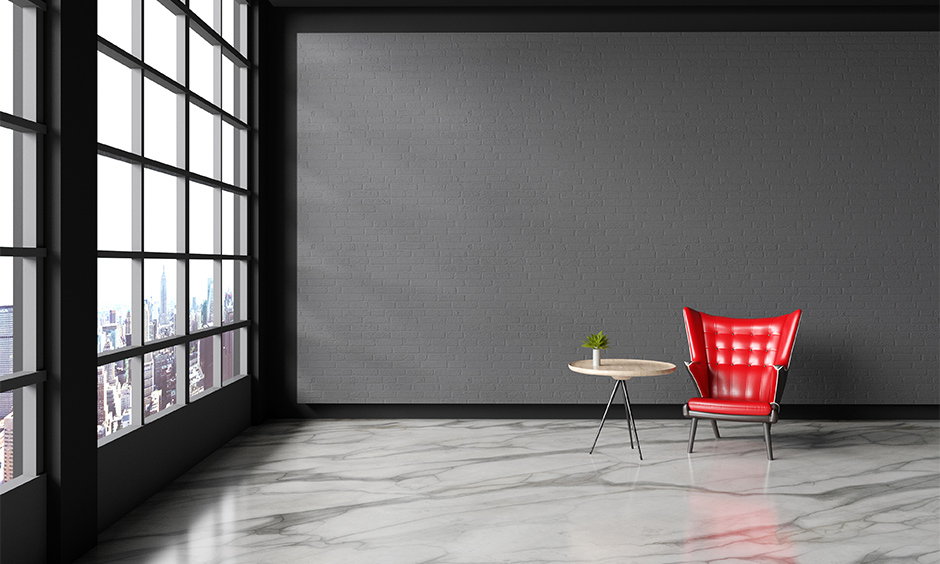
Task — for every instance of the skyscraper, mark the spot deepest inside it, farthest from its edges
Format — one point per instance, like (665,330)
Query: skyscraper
(6,339)
(163,312)
(210,307)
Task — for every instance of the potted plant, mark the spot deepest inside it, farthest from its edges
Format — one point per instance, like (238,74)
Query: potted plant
(596,342)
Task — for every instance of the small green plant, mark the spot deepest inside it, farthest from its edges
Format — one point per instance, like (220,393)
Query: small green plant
(598,341)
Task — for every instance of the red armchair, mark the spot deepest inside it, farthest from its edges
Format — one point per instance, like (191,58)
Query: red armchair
(740,367)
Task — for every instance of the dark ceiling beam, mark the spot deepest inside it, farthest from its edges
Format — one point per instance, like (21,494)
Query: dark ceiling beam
(602,3)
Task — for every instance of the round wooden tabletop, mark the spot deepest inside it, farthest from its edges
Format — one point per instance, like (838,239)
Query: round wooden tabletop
(622,368)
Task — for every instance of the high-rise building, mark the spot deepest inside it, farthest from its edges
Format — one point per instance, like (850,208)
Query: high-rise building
(6,339)
(164,317)
(211,301)
(128,329)
(101,398)
(8,446)
(3,452)
(148,383)
(205,361)
(6,404)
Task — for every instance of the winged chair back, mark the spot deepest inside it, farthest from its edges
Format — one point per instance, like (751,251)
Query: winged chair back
(736,359)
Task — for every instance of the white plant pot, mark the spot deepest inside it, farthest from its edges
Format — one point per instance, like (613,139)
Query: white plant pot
(597,358)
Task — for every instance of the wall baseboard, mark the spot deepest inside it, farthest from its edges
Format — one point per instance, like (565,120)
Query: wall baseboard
(594,411)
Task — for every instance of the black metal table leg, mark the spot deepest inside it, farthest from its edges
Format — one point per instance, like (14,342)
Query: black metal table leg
(630,429)
(604,418)
(626,398)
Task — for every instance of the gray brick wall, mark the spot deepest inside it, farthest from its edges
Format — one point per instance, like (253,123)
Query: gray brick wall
(471,205)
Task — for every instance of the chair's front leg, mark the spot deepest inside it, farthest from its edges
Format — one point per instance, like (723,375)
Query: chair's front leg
(692,433)
(770,450)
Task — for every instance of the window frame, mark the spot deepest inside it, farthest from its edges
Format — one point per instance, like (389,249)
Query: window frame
(239,187)
(26,122)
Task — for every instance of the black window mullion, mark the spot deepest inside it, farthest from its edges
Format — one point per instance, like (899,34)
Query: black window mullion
(131,158)
(21,125)
(28,252)
(127,353)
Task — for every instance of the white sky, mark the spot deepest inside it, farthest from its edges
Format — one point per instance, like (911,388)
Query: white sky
(114,284)
(6,188)
(6,57)
(114,178)
(160,191)
(6,280)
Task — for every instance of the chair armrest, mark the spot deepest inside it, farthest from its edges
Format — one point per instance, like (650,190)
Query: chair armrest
(699,373)
(782,374)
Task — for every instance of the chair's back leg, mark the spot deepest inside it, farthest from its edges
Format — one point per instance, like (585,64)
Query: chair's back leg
(692,433)
(770,449)
(715,428)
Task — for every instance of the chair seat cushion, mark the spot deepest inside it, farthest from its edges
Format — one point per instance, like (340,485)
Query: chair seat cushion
(729,407)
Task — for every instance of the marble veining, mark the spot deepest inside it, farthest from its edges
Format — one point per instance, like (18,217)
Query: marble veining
(527,492)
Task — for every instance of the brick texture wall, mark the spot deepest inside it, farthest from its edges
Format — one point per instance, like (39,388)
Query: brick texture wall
(471,205)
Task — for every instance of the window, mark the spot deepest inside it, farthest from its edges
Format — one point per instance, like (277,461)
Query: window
(172,205)
(21,251)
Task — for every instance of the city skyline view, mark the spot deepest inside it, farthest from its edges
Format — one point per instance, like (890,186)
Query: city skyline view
(161,378)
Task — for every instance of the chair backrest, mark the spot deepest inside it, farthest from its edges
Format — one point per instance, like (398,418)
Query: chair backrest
(740,354)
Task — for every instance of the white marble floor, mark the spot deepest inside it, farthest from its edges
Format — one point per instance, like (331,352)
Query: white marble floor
(525,492)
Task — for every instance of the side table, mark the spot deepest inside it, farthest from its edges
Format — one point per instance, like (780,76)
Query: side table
(621,370)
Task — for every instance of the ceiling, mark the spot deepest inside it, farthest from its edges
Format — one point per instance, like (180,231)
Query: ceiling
(595,3)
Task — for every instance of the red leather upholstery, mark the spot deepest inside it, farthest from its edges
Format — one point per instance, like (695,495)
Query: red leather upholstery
(729,407)
(733,359)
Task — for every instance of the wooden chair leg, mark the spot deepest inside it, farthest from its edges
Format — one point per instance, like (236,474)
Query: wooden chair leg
(692,433)
(715,428)
(770,450)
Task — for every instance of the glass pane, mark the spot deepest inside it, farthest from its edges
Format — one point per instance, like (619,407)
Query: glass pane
(202,57)
(202,294)
(228,291)
(6,57)
(206,10)
(202,140)
(115,205)
(17,188)
(229,15)
(6,315)
(115,397)
(241,290)
(160,211)
(201,375)
(229,163)
(114,303)
(241,231)
(228,223)
(242,45)
(241,111)
(162,123)
(228,356)
(230,78)
(161,39)
(159,299)
(116,23)
(10,463)
(202,222)
(115,104)
(241,162)
(234,280)
(6,187)
(159,380)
